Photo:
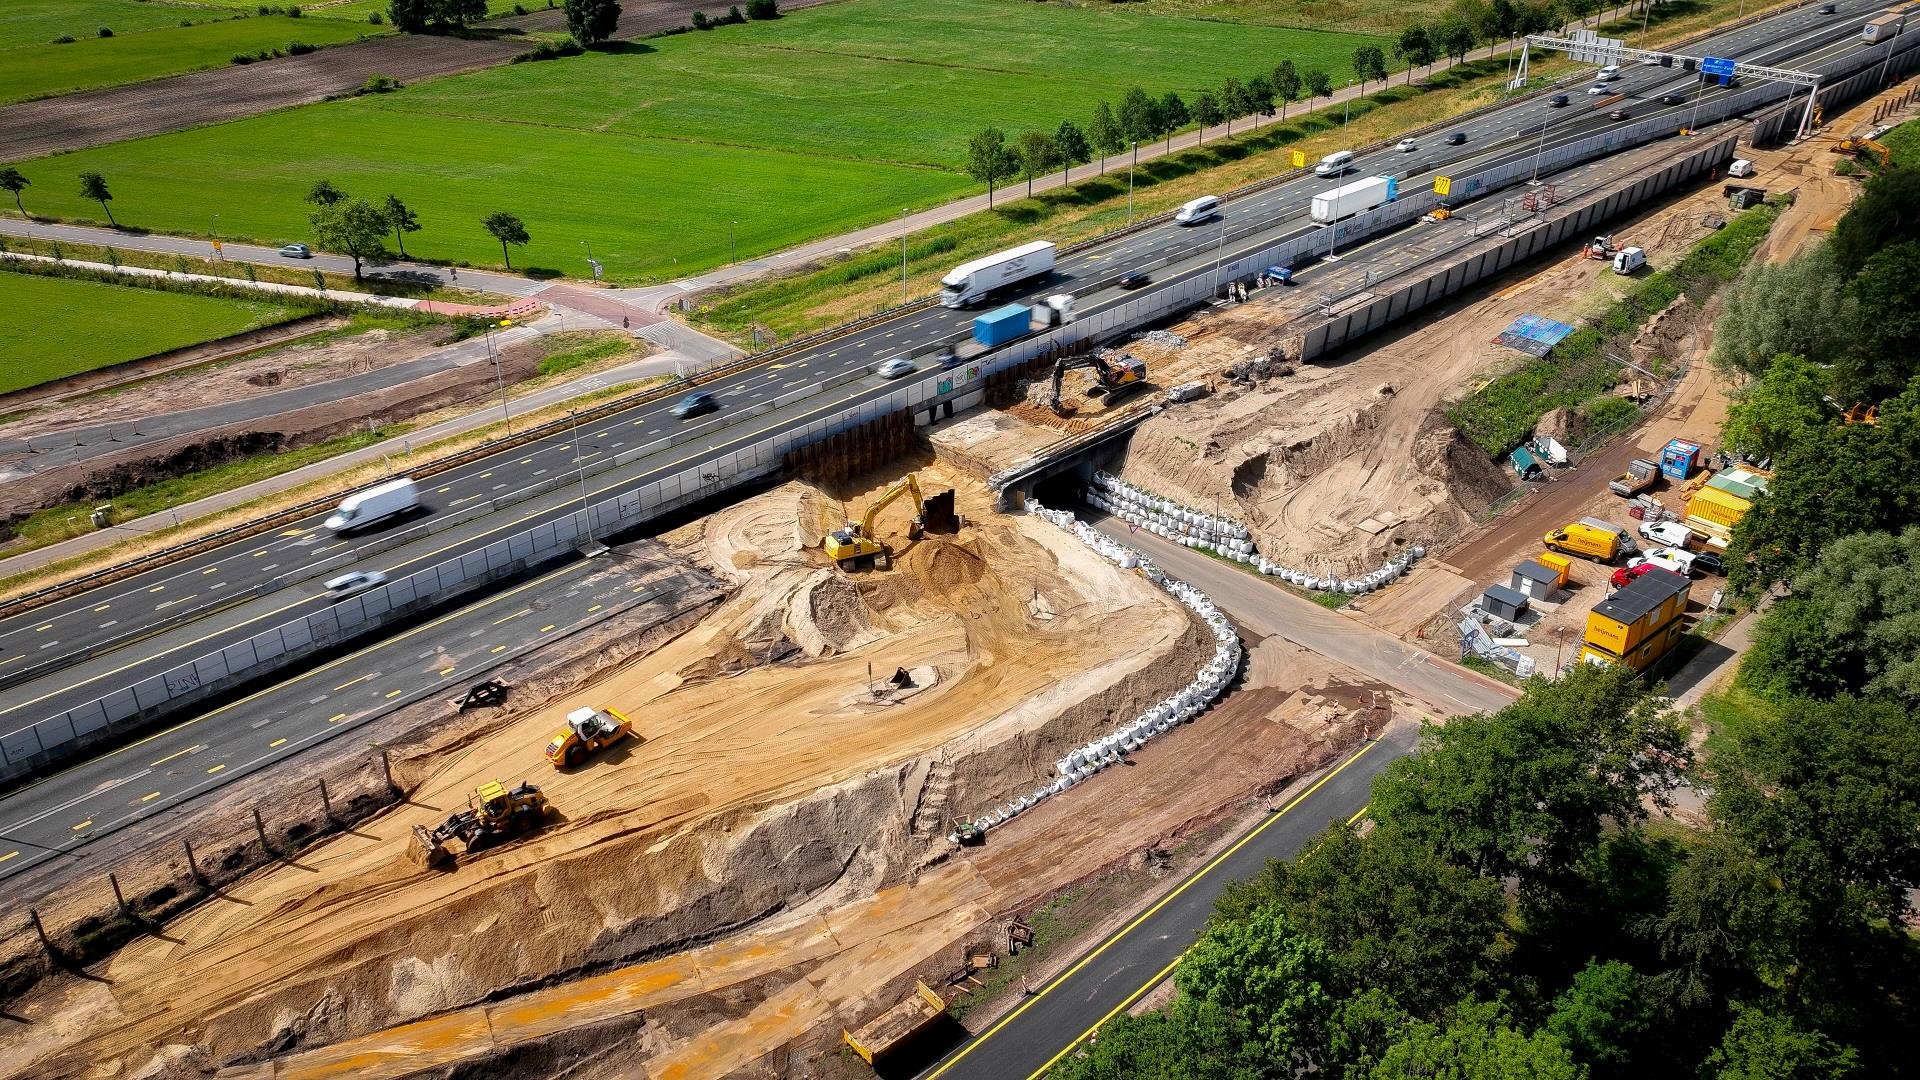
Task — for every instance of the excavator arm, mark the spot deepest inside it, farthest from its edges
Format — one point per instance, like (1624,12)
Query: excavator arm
(873,512)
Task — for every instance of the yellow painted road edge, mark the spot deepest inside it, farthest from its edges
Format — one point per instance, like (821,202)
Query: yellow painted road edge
(1135,924)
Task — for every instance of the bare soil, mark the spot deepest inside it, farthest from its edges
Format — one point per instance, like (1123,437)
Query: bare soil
(758,790)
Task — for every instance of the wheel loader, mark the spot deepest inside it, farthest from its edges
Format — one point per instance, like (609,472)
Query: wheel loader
(494,812)
(588,731)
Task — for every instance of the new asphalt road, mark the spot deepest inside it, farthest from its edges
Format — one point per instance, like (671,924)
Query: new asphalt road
(87,645)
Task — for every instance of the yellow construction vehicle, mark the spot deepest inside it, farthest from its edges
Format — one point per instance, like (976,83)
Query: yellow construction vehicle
(588,731)
(854,546)
(494,812)
(1860,146)
(1115,375)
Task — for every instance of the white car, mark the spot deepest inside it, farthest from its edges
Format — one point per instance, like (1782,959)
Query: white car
(1670,533)
(1405,145)
(894,368)
(296,251)
(1598,89)
(1680,562)
(354,582)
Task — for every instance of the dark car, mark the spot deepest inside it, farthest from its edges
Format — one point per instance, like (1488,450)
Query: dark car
(1456,138)
(694,404)
(1133,279)
(1619,114)
(1708,562)
(1827,9)
(1673,99)
(1557,101)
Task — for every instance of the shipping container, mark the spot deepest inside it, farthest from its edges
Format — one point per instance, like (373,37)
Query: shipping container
(1679,458)
(1503,602)
(1001,325)
(1559,564)
(1722,508)
(1357,197)
(1618,624)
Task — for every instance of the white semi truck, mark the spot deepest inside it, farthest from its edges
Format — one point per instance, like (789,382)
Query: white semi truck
(377,503)
(971,281)
(1357,197)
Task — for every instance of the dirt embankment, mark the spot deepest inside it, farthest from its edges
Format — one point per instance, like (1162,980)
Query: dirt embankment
(759,787)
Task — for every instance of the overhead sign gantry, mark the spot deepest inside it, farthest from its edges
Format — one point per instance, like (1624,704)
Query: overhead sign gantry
(1589,48)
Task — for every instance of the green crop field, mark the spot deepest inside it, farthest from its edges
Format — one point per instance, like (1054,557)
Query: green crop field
(650,152)
(31,71)
(60,326)
(38,22)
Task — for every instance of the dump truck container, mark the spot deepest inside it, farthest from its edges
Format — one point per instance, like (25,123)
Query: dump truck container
(1617,625)
(1639,476)
(896,1027)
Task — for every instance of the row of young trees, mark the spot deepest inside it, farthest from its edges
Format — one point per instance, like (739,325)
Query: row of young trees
(358,228)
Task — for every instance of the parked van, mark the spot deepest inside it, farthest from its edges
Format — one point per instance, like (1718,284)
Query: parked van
(1624,539)
(1627,260)
(1334,164)
(1610,73)
(1197,211)
(1740,167)
(377,503)
(1599,545)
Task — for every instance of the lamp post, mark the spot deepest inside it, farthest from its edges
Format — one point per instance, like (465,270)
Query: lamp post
(1219,251)
(903,259)
(1541,149)
(733,253)
(1346,113)
(579,466)
(1136,161)
(499,380)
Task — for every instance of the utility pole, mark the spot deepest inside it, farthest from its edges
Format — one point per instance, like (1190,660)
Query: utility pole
(1136,161)
(579,466)
(903,259)
(1346,113)
(499,380)
(733,253)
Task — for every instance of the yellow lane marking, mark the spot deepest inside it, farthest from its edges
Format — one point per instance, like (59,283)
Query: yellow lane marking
(211,570)
(485,475)
(336,718)
(293,532)
(515,615)
(103,607)
(8,855)
(1120,934)
(395,693)
(443,491)
(157,588)
(276,742)
(497,649)
(446,671)
(49,626)
(546,628)
(593,609)
(175,754)
(215,769)
(350,682)
(83,825)
(150,796)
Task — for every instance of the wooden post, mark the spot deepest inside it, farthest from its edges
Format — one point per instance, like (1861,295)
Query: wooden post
(119,898)
(261,828)
(386,768)
(40,929)
(326,801)
(192,866)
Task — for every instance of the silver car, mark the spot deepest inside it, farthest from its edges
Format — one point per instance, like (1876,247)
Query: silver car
(296,251)
(895,368)
(354,582)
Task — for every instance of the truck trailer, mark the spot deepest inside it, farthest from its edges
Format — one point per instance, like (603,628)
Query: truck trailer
(1883,27)
(971,281)
(1357,197)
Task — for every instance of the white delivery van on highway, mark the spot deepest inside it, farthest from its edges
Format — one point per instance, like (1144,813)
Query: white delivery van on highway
(1197,211)
(377,503)
(971,281)
(1334,164)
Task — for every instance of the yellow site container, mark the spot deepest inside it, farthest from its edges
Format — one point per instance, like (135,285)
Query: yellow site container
(1719,507)
(1617,625)
(1643,655)
(1559,564)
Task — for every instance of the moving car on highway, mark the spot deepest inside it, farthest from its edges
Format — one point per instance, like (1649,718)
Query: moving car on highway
(1405,145)
(1619,114)
(1133,279)
(296,251)
(894,368)
(353,583)
(695,404)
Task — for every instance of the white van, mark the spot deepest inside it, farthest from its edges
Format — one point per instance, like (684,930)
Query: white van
(1740,167)
(1197,211)
(1610,73)
(377,503)
(1334,164)
(1627,260)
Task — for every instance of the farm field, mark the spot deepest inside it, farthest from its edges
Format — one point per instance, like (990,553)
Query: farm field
(66,333)
(651,152)
(31,71)
(38,22)
(1384,17)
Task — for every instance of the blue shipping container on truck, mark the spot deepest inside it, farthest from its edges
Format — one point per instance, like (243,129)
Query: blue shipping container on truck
(1001,325)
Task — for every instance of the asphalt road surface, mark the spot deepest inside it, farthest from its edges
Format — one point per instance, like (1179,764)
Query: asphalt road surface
(156,620)
(1122,969)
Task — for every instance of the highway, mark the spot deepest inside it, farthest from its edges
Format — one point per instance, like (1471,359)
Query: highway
(158,619)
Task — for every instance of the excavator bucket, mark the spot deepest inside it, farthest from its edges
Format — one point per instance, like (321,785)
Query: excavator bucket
(427,850)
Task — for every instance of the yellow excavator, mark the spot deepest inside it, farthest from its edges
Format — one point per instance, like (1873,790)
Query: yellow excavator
(494,812)
(854,546)
(1861,146)
(1113,374)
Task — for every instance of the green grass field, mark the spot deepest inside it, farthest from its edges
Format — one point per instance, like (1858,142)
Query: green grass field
(60,327)
(31,71)
(821,121)
(38,22)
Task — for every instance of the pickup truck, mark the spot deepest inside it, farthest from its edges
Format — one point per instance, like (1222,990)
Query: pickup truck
(1639,476)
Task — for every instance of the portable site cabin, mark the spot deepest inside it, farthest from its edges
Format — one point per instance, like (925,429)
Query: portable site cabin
(1534,581)
(1679,458)
(1503,602)
(1639,623)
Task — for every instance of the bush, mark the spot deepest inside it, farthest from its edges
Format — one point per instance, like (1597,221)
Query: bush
(240,58)
(376,18)
(763,9)
(105,31)
(1609,412)
(298,48)
(550,50)
(186,22)
(734,16)
(293,12)
(264,10)
(519,9)
(699,22)
(63,39)
(380,84)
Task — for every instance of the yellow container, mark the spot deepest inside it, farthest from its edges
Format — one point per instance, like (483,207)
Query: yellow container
(1653,601)
(1719,507)
(1644,655)
(1559,564)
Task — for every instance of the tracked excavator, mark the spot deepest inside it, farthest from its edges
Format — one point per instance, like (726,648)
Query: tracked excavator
(1116,375)
(854,545)
(1860,146)
(494,812)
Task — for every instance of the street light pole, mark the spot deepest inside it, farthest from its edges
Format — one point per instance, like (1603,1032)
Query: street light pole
(1219,252)
(499,380)
(733,253)
(903,260)
(586,518)
(1136,161)
(1346,113)
(1539,150)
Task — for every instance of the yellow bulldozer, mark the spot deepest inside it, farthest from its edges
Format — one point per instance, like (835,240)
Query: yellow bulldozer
(588,731)
(494,812)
